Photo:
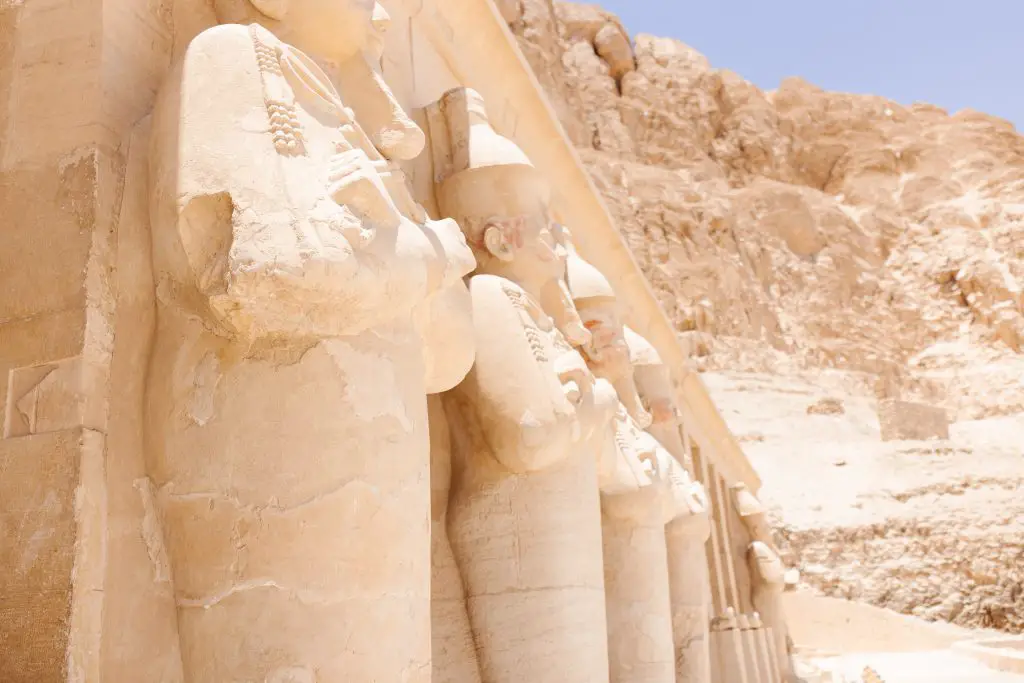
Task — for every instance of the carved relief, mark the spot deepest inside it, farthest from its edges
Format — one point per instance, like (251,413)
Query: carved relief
(297,283)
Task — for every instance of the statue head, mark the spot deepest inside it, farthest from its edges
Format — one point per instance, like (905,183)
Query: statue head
(486,183)
(332,29)
(752,512)
(606,352)
(653,380)
(599,310)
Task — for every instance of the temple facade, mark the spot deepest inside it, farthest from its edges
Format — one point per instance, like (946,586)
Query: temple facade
(322,360)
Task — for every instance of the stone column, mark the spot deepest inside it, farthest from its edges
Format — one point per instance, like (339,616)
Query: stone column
(728,665)
(686,539)
(524,513)
(453,652)
(767,574)
(686,536)
(716,570)
(764,647)
(751,651)
(636,575)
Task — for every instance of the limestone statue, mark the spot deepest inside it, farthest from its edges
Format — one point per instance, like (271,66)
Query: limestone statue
(297,283)
(687,534)
(636,497)
(767,575)
(454,657)
(523,514)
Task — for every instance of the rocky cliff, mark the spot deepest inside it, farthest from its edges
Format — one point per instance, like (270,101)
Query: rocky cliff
(800,228)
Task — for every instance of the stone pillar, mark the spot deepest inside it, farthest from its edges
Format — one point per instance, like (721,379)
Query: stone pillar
(739,540)
(719,596)
(636,577)
(453,652)
(762,639)
(686,539)
(773,656)
(751,651)
(727,652)
(82,554)
(524,512)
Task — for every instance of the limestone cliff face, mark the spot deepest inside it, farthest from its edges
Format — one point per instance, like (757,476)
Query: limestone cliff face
(845,231)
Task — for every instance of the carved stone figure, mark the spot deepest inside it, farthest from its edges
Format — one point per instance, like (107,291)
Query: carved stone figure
(768,575)
(686,535)
(523,515)
(454,657)
(286,423)
(636,497)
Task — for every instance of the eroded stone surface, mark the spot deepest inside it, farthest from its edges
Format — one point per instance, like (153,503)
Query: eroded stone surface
(904,420)
(228,306)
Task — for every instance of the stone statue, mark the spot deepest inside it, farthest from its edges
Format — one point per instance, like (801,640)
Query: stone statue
(686,535)
(637,496)
(523,514)
(454,657)
(297,283)
(767,575)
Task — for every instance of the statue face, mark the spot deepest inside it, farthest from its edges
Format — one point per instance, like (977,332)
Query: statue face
(527,248)
(607,350)
(655,388)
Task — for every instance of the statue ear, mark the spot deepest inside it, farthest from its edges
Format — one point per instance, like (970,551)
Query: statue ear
(497,245)
(275,9)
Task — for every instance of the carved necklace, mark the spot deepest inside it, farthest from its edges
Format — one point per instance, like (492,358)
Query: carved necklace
(285,71)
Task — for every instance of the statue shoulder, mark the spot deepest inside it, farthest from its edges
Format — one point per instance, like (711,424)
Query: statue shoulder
(498,291)
(222,39)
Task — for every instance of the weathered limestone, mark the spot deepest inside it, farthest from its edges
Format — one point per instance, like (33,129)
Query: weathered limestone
(642,489)
(764,644)
(231,331)
(686,536)
(767,576)
(524,519)
(635,505)
(906,420)
(612,45)
(727,651)
(453,653)
(287,416)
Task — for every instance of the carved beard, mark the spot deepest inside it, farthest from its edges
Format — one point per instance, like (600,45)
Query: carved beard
(610,361)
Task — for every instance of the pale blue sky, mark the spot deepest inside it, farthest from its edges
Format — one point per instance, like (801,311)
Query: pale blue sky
(952,53)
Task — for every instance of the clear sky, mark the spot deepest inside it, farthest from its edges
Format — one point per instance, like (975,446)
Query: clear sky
(953,53)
